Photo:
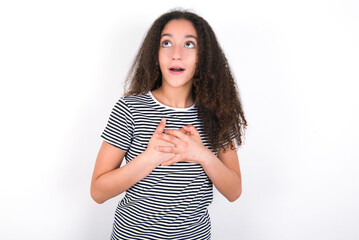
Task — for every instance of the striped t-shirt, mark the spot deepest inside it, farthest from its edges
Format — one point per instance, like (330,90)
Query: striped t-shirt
(171,202)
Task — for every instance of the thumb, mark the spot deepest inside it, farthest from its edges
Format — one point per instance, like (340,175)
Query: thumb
(161,126)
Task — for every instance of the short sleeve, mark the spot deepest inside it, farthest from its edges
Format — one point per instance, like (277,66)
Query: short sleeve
(232,136)
(120,126)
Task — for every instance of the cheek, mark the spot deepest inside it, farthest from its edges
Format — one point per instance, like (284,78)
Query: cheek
(162,69)
(161,61)
(191,57)
(192,62)
(160,57)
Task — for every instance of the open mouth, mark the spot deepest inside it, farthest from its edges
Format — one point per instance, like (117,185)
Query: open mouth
(177,69)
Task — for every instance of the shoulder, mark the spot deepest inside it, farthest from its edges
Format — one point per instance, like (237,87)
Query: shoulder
(133,100)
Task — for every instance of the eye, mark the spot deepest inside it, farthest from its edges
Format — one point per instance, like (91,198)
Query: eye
(190,44)
(166,43)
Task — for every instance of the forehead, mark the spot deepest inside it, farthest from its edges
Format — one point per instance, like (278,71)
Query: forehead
(179,27)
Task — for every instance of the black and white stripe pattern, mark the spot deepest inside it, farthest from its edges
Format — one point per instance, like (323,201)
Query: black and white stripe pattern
(171,202)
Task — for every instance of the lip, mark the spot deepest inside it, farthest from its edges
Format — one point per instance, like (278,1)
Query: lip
(176,72)
(176,67)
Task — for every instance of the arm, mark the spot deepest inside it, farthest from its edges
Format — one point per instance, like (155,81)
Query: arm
(223,171)
(110,180)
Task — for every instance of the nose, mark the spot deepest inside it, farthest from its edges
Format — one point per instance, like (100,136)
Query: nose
(177,53)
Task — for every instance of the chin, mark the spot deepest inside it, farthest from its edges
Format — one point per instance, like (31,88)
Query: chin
(173,83)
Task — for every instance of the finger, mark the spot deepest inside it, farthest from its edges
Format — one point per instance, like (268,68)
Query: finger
(166,149)
(169,138)
(161,126)
(175,132)
(171,161)
(191,129)
(184,131)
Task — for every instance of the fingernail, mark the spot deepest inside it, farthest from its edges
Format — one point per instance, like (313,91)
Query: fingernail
(163,119)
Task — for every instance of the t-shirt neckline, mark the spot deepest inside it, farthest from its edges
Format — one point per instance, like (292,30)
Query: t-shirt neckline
(168,107)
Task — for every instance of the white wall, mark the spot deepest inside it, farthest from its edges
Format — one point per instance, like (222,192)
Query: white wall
(62,66)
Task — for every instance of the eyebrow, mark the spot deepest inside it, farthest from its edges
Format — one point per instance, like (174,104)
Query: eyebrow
(170,35)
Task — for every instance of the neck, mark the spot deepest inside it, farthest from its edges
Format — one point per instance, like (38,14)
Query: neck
(174,97)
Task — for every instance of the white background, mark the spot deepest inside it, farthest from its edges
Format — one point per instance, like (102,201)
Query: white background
(62,66)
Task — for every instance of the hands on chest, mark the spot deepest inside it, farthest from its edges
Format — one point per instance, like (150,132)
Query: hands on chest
(175,145)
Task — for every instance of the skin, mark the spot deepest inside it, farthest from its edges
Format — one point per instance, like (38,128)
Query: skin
(178,47)
(185,144)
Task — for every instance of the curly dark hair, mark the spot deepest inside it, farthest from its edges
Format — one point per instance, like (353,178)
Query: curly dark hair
(214,88)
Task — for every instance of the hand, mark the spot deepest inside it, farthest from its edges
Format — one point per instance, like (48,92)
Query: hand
(154,142)
(186,143)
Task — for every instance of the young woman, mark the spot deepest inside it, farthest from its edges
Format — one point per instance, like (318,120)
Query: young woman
(177,127)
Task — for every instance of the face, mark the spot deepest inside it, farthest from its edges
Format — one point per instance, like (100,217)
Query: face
(178,53)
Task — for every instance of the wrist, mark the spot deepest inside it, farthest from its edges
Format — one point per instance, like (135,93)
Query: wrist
(152,156)
(206,157)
